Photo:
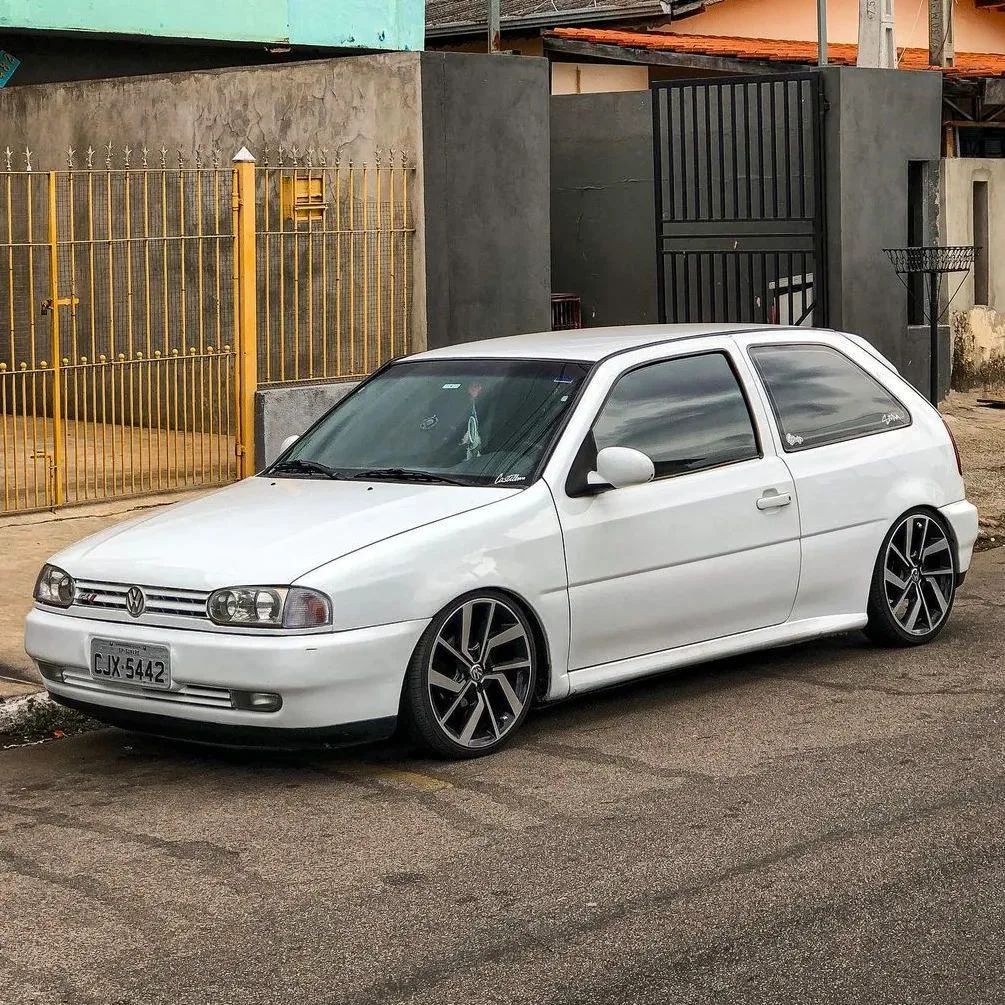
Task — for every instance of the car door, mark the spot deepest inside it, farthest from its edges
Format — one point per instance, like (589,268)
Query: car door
(707,549)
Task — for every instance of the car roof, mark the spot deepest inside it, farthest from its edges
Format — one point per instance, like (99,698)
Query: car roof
(589,345)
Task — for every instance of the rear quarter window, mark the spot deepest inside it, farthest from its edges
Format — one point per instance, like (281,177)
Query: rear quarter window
(820,396)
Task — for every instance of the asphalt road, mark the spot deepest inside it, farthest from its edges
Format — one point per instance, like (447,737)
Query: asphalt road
(822,824)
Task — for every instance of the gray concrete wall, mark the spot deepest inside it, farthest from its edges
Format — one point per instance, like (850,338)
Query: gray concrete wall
(485,157)
(352,105)
(878,122)
(288,411)
(482,268)
(602,217)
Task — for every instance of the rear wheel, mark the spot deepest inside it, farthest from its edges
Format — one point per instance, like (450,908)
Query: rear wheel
(471,680)
(914,582)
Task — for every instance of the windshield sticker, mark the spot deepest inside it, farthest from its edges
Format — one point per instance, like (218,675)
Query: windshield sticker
(451,387)
(792,440)
(564,397)
(565,380)
(508,479)
(429,422)
(891,417)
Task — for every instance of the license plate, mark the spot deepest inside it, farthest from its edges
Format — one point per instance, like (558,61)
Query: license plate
(131,664)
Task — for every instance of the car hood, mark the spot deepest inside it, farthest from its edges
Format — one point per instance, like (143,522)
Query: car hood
(264,531)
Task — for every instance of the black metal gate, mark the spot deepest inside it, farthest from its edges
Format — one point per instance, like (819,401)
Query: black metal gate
(739,171)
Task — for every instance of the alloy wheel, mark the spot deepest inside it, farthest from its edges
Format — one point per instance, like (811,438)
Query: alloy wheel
(918,574)
(479,672)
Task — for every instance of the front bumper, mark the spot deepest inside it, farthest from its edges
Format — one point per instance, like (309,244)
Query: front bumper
(327,682)
(230,735)
(962,517)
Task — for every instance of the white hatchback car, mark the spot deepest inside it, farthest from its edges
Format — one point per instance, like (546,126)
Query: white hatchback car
(478,528)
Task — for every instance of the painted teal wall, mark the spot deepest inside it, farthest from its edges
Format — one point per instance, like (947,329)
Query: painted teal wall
(360,24)
(366,24)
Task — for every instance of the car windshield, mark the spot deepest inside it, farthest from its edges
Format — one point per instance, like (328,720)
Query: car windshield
(469,421)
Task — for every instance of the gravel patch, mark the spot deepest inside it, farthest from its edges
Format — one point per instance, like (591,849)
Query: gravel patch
(980,435)
(37,718)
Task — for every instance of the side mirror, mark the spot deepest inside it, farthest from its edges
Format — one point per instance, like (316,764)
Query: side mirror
(621,467)
(288,442)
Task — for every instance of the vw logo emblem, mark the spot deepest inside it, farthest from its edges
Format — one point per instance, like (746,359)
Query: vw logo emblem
(135,601)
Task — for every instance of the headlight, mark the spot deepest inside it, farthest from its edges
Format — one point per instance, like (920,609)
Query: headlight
(270,607)
(55,587)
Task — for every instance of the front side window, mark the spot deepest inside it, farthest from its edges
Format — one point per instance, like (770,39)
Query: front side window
(684,414)
(820,396)
(471,421)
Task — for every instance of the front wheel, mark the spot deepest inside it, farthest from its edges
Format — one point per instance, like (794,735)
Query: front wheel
(914,582)
(471,679)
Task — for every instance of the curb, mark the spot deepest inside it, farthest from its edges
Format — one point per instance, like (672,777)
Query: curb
(84,511)
(12,687)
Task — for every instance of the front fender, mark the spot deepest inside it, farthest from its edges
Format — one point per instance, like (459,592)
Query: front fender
(514,544)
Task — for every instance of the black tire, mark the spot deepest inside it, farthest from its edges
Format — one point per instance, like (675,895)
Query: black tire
(911,595)
(446,691)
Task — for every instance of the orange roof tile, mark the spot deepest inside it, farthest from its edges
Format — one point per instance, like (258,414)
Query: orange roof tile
(967,64)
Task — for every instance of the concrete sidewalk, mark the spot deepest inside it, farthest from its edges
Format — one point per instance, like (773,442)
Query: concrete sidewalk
(26,541)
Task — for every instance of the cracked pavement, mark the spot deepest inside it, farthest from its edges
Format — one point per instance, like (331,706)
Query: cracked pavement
(815,824)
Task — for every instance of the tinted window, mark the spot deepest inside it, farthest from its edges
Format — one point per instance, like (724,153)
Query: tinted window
(685,414)
(820,396)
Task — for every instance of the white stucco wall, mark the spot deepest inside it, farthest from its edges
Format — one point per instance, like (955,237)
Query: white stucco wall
(956,226)
(956,220)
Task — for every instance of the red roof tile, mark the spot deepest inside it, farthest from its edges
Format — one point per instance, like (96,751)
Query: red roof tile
(967,64)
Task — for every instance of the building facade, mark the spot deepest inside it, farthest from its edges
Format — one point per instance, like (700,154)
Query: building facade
(749,30)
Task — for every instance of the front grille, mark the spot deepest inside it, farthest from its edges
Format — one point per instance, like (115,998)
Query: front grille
(159,600)
(187,694)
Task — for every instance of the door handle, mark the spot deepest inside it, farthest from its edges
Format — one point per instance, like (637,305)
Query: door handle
(774,500)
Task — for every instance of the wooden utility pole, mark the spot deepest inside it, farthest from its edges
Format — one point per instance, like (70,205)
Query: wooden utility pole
(940,32)
(495,33)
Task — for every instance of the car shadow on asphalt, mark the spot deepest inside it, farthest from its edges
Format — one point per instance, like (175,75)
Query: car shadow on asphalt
(599,707)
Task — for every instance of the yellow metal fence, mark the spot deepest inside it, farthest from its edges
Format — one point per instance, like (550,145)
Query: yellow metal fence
(334,265)
(145,302)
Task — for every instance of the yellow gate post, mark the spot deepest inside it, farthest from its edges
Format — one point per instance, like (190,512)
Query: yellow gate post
(247,309)
(58,471)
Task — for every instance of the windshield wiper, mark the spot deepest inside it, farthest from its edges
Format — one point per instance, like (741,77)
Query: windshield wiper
(407,475)
(308,467)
